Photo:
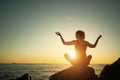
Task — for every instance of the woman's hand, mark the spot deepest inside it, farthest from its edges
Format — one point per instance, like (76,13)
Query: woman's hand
(58,33)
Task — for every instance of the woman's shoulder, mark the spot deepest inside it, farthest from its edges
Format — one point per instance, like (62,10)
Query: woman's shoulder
(75,41)
(86,41)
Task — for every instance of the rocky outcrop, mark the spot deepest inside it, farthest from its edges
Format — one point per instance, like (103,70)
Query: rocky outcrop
(24,77)
(111,72)
(75,73)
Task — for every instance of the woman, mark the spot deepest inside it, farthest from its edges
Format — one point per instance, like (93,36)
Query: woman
(80,47)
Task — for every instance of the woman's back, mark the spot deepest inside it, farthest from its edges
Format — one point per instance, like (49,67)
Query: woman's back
(80,48)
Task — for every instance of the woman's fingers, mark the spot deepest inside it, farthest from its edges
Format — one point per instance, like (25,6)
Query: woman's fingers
(57,33)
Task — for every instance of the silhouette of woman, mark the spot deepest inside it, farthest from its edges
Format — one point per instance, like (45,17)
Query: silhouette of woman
(80,47)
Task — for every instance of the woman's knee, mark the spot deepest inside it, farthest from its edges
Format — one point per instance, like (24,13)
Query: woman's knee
(89,56)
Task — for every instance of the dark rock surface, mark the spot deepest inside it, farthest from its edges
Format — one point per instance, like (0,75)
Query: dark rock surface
(24,77)
(111,72)
(75,73)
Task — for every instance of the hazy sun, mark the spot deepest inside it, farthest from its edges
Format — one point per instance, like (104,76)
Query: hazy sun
(72,55)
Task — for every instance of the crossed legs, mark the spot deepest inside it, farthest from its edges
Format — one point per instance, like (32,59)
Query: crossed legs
(73,62)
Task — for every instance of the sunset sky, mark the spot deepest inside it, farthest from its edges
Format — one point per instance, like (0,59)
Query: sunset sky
(27,29)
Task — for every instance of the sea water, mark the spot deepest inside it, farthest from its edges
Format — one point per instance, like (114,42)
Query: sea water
(37,71)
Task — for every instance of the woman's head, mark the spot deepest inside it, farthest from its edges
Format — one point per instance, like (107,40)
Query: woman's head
(80,34)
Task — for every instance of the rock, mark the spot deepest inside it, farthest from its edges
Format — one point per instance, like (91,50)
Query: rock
(24,77)
(111,72)
(75,73)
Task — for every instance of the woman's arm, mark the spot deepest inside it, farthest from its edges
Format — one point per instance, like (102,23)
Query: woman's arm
(96,42)
(63,41)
